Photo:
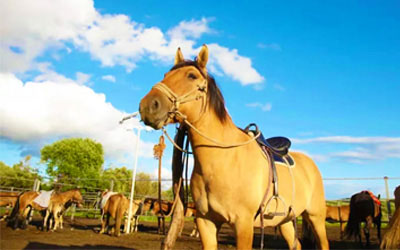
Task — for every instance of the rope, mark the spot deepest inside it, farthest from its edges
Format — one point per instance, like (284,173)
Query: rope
(173,142)
(220,144)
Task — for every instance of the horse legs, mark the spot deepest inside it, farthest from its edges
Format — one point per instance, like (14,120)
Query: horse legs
(342,227)
(46,217)
(367,229)
(26,214)
(61,221)
(318,225)
(288,232)
(103,223)
(244,232)
(208,233)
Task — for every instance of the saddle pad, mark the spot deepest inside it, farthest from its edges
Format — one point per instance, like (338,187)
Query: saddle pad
(105,198)
(43,199)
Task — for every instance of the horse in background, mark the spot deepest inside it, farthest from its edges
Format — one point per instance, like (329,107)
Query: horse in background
(191,212)
(397,197)
(338,214)
(55,212)
(391,240)
(8,200)
(153,205)
(364,207)
(25,205)
(117,206)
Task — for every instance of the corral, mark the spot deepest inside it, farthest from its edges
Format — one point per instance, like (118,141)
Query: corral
(82,234)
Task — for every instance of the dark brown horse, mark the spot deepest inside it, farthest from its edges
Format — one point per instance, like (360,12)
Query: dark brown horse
(364,207)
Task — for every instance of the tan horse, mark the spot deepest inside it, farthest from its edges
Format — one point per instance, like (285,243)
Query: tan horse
(117,206)
(391,240)
(55,211)
(228,182)
(25,204)
(8,200)
(338,214)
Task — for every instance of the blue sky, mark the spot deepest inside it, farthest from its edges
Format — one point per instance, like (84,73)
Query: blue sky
(324,74)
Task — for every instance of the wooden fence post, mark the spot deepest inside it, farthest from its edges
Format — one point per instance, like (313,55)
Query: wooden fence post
(112,185)
(389,212)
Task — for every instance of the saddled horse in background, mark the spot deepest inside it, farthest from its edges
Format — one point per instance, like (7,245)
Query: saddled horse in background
(364,207)
(117,206)
(231,175)
(391,240)
(338,214)
(25,204)
(8,200)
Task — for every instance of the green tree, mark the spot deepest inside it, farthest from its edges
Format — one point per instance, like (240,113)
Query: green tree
(121,178)
(73,160)
(20,175)
(144,186)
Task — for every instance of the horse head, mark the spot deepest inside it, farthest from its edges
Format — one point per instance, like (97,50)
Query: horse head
(184,93)
(77,198)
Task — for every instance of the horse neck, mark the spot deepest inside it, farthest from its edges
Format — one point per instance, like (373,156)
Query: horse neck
(224,132)
(67,196)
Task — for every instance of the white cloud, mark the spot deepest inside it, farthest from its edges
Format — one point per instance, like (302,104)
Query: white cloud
(111,39)
(82,78)
(109,78)
(364,148)
(43,111)
(34,26)
(234,65)
(264,107)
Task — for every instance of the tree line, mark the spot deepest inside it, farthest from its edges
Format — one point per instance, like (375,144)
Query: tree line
(77,162)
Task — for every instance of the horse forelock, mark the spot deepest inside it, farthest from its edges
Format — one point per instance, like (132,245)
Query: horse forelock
(214,94)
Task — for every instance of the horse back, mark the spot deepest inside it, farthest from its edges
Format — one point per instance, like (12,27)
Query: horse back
(362,206)
(114,203)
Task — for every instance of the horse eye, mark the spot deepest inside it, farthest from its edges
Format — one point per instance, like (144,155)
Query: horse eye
(192,76)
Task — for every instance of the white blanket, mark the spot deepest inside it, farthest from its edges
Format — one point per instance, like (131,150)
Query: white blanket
(105,198)
(43,199)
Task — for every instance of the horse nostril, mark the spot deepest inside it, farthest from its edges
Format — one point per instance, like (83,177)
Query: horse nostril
(155,105)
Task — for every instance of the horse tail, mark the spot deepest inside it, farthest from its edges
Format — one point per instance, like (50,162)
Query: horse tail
(12,220)
(308,240)
(391,240)
(353,224)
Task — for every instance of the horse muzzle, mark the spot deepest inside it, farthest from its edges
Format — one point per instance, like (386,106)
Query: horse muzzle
(154,110)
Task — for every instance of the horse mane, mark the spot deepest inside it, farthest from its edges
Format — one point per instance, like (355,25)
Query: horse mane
(214,94)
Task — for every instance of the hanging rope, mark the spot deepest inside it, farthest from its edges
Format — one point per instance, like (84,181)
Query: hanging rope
(158,151)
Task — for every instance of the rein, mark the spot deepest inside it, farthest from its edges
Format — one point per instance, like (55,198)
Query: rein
(174,112)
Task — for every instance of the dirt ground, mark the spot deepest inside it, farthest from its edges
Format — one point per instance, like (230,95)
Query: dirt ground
(82,234)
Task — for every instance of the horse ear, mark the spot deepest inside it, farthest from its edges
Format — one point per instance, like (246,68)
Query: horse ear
(202,58)
(179,57)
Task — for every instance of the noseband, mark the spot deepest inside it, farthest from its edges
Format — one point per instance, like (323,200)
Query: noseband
(200,92)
